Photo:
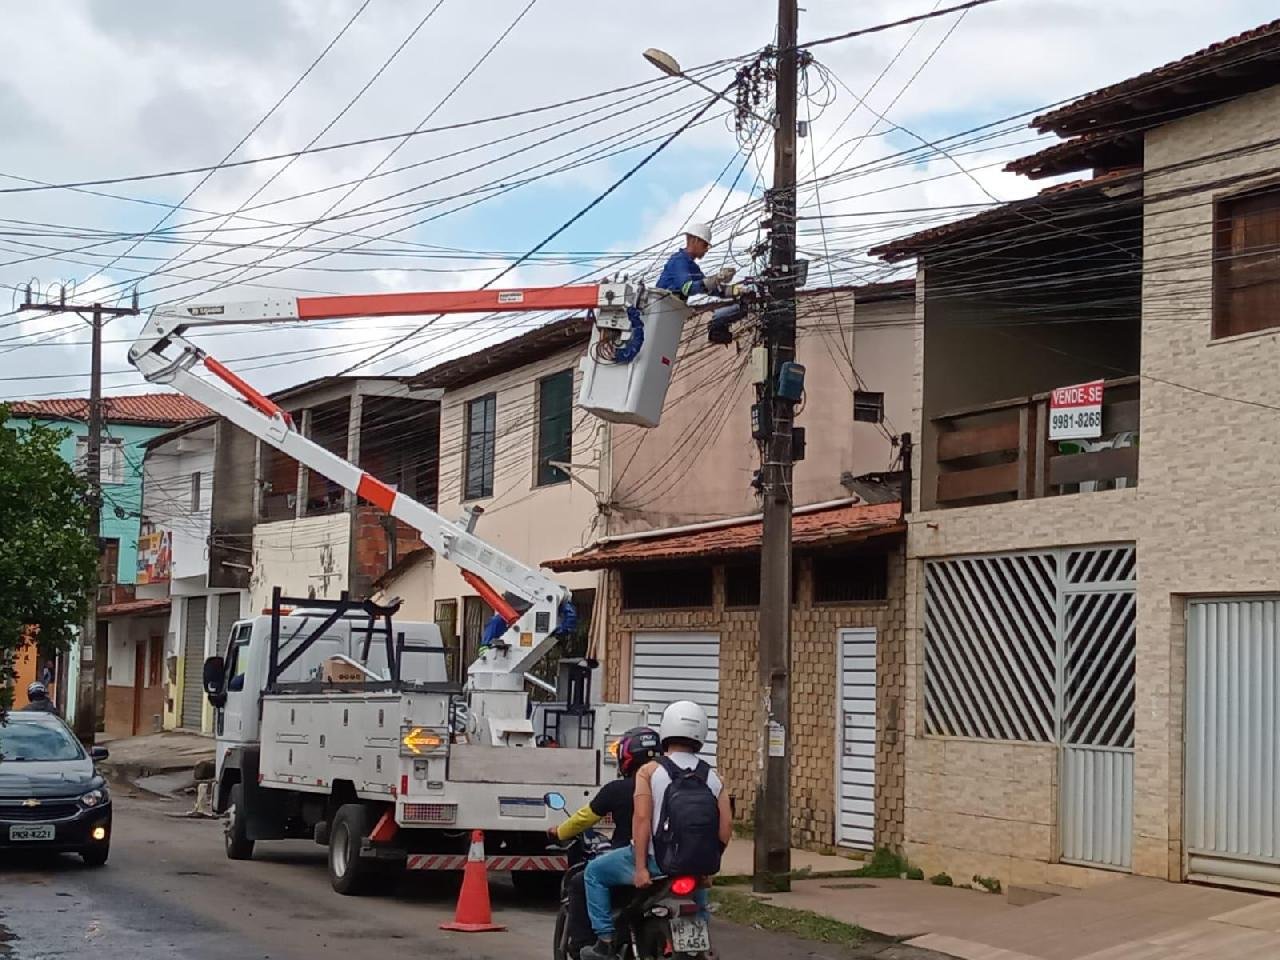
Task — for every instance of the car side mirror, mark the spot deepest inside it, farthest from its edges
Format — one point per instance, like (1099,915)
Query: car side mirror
(213,679)
(98,754)
(214,671)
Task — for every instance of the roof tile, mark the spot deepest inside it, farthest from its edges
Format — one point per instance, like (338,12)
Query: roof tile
(830,526)
(147,408)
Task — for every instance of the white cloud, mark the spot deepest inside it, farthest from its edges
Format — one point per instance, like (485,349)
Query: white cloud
(96,90)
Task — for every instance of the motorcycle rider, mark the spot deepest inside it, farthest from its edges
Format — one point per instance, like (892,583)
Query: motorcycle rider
(635,748)
(38,699)
(682,733)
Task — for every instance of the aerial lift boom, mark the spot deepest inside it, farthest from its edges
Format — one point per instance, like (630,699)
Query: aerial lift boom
(535,608)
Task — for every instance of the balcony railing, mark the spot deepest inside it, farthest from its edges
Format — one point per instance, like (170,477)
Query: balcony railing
(1001,451)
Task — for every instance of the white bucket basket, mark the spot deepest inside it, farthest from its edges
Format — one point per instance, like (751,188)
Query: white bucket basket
(634,392)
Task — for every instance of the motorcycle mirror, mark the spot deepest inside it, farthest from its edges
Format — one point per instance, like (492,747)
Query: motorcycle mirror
(554,800)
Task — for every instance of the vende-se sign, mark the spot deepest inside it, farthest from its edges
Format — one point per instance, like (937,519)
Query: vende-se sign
(1076,411)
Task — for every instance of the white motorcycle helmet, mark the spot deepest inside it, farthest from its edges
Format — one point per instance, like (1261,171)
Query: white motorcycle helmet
(683,720)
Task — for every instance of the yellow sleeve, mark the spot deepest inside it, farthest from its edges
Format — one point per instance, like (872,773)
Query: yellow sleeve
(584,819)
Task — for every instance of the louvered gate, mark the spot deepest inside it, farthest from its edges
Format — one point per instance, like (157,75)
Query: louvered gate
(1040,646)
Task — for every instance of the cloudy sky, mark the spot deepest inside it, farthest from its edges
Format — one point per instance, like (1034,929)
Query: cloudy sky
(99,91)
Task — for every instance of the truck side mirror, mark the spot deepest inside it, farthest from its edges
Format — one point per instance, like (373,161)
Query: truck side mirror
(214,675)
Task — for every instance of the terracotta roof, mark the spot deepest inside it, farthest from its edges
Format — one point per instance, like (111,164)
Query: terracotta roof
(507,355)
(130,608)
(830,526)
(1061,197)
(161,409)
(1223,70)
(1102,151)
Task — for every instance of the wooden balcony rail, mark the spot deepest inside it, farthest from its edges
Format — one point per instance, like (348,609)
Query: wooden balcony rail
(1001,451)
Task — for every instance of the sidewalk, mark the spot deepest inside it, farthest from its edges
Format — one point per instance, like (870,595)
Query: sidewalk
(1129,918)
(738,861)
(161,763)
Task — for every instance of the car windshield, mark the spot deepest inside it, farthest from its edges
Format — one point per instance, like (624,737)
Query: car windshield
(21,741)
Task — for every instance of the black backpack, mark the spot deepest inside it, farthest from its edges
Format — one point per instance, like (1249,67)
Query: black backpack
(687,841)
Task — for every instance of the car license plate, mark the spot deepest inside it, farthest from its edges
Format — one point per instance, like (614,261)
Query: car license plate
(689,936)
(32,831)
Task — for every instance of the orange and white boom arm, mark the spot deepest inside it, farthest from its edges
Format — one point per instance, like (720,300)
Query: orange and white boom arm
(526,598)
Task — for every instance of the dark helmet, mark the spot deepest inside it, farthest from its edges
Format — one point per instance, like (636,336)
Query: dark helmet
(37,691)
(636,747)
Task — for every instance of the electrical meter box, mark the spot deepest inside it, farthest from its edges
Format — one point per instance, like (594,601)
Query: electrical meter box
(634,392)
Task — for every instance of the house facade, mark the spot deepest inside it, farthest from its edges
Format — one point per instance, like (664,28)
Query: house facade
(515,451)
(128,423)
(199,566)
(1091,645)
(679,551)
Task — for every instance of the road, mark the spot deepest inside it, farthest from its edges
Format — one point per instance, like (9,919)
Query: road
(168,891)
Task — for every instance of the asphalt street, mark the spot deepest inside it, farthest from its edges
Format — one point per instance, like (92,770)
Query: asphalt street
(168,891)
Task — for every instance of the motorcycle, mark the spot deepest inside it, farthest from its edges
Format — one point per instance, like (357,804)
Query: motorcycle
(657,922)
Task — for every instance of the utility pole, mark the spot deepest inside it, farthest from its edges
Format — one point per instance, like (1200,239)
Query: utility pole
(773,792)
(92,658)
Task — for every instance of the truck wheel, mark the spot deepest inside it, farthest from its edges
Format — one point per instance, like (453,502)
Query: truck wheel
(349,874)
(235,835)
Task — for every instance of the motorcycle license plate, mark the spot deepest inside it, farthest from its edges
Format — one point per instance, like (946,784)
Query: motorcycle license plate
(689,935)
(36,831)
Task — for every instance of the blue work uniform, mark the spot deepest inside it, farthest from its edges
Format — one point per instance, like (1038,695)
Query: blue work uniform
(682,275)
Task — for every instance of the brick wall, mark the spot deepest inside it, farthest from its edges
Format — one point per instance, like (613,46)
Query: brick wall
(369,546)
(814,732)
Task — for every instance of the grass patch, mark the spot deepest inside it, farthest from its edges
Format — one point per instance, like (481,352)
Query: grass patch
(915,873)
(748,911)
(942,880)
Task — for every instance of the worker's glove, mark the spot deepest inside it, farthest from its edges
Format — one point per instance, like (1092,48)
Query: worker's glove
(711,284)
(725,275)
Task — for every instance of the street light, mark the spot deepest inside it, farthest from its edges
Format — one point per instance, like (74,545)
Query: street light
(671,67)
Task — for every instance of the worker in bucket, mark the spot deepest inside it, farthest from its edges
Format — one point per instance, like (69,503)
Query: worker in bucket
(682,275)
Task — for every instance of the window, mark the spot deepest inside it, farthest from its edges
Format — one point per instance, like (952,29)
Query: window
(108,561)
(850,577)
(110,459)
(868,406)
(446,619)
(481,433)
(1246,263)
(555,426)
(742,585)
(666,588)
(195,492)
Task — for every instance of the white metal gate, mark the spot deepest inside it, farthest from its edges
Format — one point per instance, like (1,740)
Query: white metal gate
(1040,646)
(1233,740)
(678,666)
(856,758)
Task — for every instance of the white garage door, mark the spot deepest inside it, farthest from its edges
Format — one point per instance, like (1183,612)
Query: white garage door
(1233,741)
(678,666)
(857,732)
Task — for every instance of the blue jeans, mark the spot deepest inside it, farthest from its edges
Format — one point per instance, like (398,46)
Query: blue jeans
(617,868)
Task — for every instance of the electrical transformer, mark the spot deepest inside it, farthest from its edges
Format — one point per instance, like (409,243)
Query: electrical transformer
(626,373)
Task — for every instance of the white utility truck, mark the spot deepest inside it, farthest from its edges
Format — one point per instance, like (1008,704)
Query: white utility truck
(337,724)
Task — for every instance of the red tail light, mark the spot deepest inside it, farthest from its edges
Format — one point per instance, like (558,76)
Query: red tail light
(683,886)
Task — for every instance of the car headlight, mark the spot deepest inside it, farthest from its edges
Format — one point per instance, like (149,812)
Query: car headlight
(94,798)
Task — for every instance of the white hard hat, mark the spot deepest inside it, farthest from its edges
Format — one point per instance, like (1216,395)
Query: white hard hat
(700,230)
(686,720)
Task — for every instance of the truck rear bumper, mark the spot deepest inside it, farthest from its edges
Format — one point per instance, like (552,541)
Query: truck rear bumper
(446,861)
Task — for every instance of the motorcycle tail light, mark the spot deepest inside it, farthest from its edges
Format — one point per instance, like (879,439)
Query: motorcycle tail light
(683,886)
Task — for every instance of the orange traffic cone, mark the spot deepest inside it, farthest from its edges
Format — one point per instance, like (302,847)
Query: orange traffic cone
(474,914)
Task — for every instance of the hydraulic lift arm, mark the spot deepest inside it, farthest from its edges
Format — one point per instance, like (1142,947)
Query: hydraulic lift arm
(533,605)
